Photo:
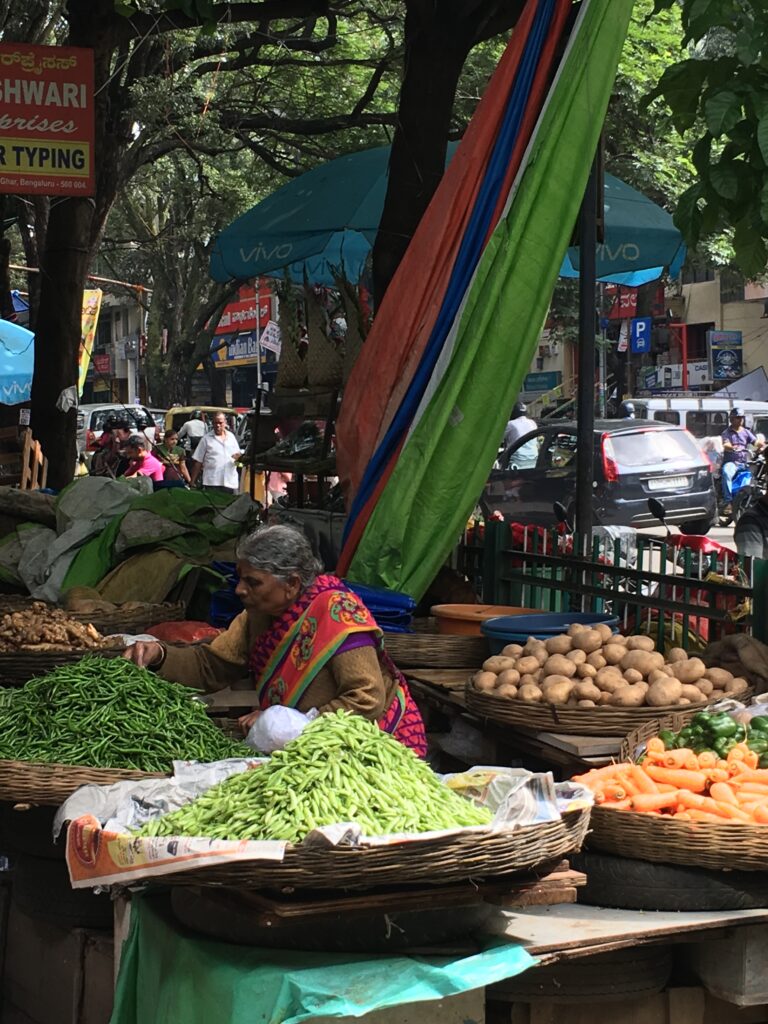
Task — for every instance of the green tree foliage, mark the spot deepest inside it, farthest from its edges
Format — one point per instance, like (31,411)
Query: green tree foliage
(718,95)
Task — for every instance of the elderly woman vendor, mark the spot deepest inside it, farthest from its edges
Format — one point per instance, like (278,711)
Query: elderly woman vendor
(307,640)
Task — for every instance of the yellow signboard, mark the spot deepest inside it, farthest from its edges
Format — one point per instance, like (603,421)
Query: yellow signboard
(90,318)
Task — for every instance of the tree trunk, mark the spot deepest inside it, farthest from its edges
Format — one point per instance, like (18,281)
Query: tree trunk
(57,338)
(435,55)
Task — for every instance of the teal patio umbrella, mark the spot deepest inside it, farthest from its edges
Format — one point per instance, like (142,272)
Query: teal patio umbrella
(327,219)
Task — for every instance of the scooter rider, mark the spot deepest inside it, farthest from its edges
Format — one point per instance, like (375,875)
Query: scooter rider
(736,441)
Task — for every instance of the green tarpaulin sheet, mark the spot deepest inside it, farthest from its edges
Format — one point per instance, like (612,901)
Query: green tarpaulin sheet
(168,976)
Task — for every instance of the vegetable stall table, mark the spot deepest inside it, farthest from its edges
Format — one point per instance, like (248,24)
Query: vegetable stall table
(442,691)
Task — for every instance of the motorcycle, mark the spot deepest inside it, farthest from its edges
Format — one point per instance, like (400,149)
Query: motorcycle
(748,484)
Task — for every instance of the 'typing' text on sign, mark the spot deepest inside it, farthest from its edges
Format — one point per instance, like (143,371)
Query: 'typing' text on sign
(46,120)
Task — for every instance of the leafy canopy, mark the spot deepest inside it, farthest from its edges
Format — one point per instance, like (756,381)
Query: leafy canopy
(718,95)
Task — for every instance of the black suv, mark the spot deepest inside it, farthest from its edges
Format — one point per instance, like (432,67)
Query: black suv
(634,460)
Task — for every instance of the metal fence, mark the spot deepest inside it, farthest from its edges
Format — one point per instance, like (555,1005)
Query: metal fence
(650,584)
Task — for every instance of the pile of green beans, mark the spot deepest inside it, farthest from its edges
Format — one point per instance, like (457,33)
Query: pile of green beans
(109,713)
(341,768)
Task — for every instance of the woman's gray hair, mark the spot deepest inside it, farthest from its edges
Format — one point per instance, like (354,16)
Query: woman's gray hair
(282,551)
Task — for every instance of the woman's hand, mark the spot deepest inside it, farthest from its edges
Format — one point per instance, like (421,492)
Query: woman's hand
(246,721)
(145,653)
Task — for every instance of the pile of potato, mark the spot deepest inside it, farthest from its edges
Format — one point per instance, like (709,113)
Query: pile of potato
(591,667)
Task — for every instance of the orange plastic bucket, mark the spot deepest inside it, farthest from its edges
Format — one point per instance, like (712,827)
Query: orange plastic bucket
(466,619)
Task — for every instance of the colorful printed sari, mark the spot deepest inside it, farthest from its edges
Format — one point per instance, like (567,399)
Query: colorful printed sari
(328,619)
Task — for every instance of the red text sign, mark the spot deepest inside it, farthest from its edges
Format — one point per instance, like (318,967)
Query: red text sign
(46,120)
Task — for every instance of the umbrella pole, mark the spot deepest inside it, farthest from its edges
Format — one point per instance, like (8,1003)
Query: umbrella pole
(585,400)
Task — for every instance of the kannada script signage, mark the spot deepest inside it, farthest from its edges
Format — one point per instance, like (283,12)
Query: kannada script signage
(46,120)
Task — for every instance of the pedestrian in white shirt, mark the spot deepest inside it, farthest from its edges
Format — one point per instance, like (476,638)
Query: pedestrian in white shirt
(215,457)
(193,429)
(519,424)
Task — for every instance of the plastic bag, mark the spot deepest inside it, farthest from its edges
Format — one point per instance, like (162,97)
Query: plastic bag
(183,632)
(277,726)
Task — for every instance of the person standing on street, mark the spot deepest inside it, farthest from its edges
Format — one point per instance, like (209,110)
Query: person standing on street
(215,457)
(751,532)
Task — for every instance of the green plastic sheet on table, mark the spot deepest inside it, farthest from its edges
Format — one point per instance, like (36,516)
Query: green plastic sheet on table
(168,976)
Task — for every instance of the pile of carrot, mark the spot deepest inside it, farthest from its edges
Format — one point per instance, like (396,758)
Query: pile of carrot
(687,786)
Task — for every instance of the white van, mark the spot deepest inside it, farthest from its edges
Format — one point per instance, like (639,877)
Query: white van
(703,417)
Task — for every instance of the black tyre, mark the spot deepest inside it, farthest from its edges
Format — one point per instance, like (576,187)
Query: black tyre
(625,974)
(31,832)
(41,889)
(641,885)
(224,917)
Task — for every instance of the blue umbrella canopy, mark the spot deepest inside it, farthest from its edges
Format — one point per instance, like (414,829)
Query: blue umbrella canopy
(17,357)
(327,219)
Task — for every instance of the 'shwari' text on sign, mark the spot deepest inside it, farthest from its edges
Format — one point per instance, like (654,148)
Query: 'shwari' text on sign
(46,120)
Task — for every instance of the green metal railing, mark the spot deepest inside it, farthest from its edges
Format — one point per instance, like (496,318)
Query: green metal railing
(647,583)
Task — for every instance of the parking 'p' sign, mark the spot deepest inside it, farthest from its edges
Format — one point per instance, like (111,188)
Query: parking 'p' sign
(640,334)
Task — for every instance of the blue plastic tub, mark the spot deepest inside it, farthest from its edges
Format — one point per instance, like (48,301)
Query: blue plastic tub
(515,629)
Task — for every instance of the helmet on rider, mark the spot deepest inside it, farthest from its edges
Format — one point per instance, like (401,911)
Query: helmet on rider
(518,409)
(627,410)
(737,413)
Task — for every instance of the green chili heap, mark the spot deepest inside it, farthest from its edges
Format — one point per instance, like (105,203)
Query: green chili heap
(341,768)
(109,713)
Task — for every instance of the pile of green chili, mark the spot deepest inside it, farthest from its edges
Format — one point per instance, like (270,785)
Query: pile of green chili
(341,768)
(109,713)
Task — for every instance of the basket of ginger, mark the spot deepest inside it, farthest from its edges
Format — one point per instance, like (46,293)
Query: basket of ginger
(682,807)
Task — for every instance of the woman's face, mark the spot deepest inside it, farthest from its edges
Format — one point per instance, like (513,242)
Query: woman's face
(262,592)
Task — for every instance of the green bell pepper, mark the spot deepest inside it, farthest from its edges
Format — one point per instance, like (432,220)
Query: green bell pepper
(763,762)
(723,725)
(723,745)
(758,744)
(702,719)
(669,739)
(759,722)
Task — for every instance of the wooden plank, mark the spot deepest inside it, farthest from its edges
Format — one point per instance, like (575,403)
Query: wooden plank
(582,746)
(444,678)
(559,928)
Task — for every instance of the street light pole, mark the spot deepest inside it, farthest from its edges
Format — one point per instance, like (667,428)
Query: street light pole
(585,402)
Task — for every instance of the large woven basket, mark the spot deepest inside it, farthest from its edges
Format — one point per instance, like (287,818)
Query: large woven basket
(28,782)
(21,666)
(432,861)
(134,620)
(121,620)
(666,840)
(602,721)
(435,650)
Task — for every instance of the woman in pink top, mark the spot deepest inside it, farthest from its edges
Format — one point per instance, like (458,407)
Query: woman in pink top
(143,462)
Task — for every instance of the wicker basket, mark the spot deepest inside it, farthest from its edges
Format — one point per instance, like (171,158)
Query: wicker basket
(648,730)
(603,721)
(435,650)
(19,667)
(435,861)
(666,840)
(121,620)
(27,782)
(135,620)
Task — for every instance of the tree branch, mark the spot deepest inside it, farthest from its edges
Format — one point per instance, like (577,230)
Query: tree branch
(143,25)
(310,126)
